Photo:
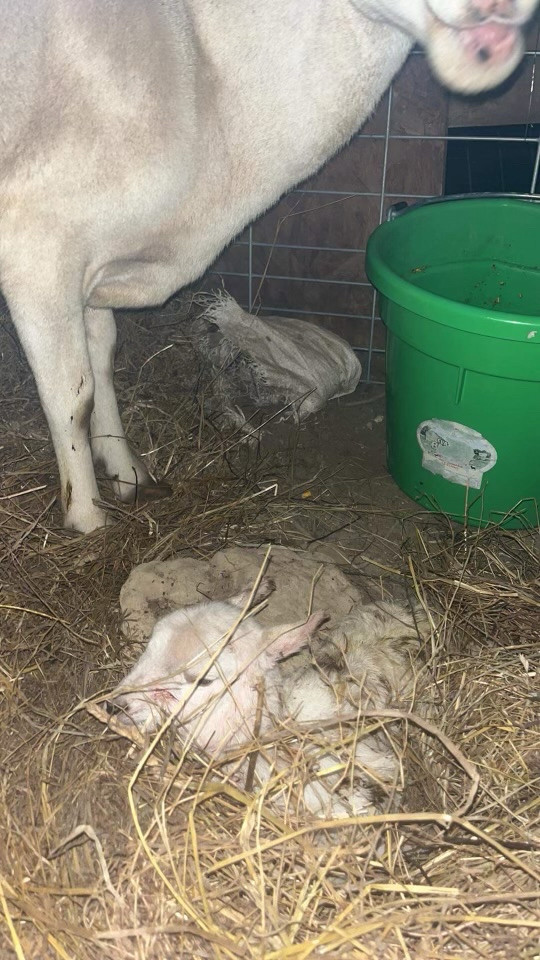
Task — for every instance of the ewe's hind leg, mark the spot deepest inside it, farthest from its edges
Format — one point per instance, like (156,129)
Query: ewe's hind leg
(109,445)
(53,336)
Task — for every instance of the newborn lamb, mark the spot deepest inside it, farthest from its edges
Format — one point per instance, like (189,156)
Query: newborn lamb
(208,664)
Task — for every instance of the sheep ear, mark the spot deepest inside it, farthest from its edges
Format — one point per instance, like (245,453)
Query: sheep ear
(293,638)
(265,588)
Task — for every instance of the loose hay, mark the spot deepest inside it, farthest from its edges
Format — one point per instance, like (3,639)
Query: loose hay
(112,850)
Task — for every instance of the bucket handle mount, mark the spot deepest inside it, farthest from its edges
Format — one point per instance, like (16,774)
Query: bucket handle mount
(398,209)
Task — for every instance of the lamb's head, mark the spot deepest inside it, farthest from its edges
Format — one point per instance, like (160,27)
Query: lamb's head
(472,45)
(204,664)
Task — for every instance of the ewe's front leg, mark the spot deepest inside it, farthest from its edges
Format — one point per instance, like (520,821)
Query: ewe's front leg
(110,448)
(54,340)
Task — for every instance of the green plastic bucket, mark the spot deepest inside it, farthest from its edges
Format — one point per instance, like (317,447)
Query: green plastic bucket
(459,281)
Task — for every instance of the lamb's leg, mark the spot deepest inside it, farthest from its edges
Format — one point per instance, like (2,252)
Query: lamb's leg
(333,795)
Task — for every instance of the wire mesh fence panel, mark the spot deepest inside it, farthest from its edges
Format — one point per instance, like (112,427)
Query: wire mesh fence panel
(306,256)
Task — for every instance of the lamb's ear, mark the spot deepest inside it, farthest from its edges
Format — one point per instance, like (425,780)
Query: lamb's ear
(292,638)
(265,588)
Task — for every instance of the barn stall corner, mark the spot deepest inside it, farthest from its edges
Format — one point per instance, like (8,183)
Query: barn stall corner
(418,489)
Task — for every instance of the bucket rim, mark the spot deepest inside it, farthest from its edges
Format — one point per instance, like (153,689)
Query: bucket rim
(454,314)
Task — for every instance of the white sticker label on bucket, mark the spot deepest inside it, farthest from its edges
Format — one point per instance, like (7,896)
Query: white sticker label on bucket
(455,452)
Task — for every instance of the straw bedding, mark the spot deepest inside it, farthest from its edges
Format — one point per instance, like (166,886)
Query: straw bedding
(113,849)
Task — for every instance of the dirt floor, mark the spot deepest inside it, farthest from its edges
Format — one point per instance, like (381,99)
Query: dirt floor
(106,855)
